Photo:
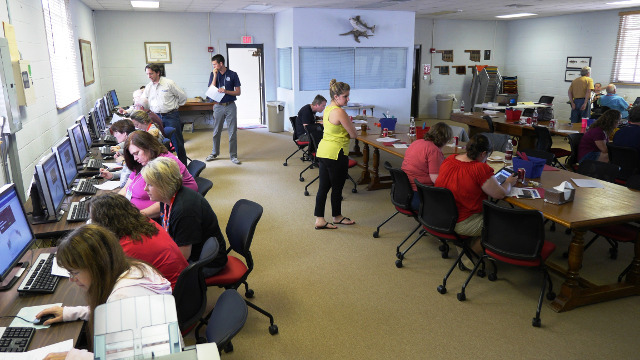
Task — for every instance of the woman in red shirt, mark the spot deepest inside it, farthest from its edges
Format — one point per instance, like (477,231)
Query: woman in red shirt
(140,237)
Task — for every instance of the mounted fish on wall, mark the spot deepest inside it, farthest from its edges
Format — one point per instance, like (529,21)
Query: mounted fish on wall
(360,28)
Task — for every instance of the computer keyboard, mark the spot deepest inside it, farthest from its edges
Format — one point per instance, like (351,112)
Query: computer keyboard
(78,211)
(110,139)
(94,164)
(86,186)
(39,279)
(106,150)
(16,339)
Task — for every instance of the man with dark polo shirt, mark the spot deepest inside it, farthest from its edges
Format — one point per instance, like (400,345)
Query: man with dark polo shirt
(227,82)
(307,115)
(630,135)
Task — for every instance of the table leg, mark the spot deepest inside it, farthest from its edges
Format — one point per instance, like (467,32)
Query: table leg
(633,276)
(375,183)
(356,149)
(365,178)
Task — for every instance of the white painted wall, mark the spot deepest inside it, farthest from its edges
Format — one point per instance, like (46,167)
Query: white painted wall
(283,34)
(43,124)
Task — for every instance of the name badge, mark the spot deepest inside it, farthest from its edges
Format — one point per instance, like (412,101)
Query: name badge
(129,194)
(228,78)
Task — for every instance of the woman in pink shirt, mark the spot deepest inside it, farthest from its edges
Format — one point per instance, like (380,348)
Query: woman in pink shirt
(423,158)
(140,148)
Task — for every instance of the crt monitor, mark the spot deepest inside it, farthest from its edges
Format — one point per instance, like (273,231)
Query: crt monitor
(50,185)
(66,162)
(88,141)
(99,117)
(103,106)
(114,98)
(16,236)
(93,126)
(77,143)
(107,100)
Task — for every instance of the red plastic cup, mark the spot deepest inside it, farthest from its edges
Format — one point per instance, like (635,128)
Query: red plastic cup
(584,122)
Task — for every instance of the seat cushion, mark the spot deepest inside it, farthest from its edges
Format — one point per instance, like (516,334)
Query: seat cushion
(406,212)
(302,143)
(352,163)
(558,152)
(547,249)
(231,274)
(622,232)
(445,236)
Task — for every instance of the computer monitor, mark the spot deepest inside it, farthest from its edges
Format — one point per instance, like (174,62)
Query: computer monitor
(77,143)
(107,99)
(114,98)
(50,186)
(16,236)
(88,141)
(66,162)
(100,121)
(93,126)
(105,112)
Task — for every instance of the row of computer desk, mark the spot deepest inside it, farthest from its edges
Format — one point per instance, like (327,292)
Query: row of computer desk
(591,207)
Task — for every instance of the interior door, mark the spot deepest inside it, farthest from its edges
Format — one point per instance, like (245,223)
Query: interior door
(247,61)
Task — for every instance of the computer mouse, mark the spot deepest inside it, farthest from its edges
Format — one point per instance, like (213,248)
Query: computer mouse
(43,318)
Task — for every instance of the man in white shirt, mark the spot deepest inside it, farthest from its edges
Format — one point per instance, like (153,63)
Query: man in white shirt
(164,99)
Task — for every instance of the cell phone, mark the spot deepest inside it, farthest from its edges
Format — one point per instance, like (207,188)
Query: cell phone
(503,174)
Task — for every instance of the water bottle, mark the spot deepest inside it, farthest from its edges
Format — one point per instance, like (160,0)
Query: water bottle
(388,114)
(461,105)
(412,127)
(534,118)
(508,152)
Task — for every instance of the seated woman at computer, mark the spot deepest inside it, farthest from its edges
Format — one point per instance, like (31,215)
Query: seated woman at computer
(423,158)
(593,145)
(121,130)
(98,265)
(142,121)
(186,215)
(141,238)
(140,148)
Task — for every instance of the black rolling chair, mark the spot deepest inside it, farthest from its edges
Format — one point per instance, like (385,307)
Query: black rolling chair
(240,230)
(599,170)
(516,237)
(228,316)
(545,142)
(625,157)
(489,121)
(548,157)
(318,130)
(195,167)
(401,195)
(190,291)
(545,99)
(170,131)
(574,143)
(301,145)
(204,185)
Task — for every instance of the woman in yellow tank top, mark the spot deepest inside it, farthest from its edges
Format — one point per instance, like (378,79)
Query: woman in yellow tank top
(332,156)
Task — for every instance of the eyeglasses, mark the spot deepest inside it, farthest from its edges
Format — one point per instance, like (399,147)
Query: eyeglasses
(73,274)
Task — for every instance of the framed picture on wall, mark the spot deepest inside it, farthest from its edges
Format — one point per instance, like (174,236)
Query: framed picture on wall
(87,62)
(571,74)
(578,62)
(157,52)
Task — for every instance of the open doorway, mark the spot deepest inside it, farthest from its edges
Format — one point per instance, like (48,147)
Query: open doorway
(247,60)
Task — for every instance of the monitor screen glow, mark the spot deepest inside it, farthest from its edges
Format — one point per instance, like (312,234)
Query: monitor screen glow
(64,155)
(16,236)
(77,143)
(85,131)
(51,183)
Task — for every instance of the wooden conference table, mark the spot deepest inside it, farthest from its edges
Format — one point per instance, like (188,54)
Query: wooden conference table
(195,105)
(66,293)
(591,207)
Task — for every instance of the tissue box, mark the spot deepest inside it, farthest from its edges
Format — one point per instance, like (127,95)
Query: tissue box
(558,197)
(533,167)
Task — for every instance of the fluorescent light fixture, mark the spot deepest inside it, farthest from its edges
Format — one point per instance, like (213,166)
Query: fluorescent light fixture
(627,2)
(145,4)
(515,15)
(257,7)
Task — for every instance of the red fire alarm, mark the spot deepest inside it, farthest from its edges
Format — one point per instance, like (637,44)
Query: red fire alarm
(432,50)
(210,49)
(247,39)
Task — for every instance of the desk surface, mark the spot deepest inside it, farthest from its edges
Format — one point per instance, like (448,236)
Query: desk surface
(196,106)
(66,293)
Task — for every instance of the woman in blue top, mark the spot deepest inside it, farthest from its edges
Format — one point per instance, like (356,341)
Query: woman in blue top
(332,156)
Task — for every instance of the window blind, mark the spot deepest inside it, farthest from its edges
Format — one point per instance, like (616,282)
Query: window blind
(62,51)
(284,68)
(380,68)
(319,65)
(626,63)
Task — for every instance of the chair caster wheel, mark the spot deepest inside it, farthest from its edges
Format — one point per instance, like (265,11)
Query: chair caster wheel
(301,179)
(567,232)
(461,297)
(442,248)
(442,289)
(398,264)
(613,253)
(306,193)
(565,255)
(248,294)
(284,164)
(551,296)
(492,277)
(399,255)
(354,190)
(535,322)
(481,273)
(273,329)
(376,234)
(228,348)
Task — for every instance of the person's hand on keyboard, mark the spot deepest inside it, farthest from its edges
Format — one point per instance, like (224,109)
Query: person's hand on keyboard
(54,310)
(56,356)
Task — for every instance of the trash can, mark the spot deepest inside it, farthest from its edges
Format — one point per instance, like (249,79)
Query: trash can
(275,116)
(445,104)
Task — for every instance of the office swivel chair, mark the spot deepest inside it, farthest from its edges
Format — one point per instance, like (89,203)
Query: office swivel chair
(301,145)
(516,237)
(240,230)
(167,140)
(627,158)
(228,316)
(599,170)
(544,143)
(316,129)
(545,99)
(489,121)
(548,157)
(574,142)
(204,185)
(401,195)
(195,167)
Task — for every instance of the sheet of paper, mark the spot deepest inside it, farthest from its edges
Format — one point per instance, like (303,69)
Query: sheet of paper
(116,117)
(29,313)
(400,146)
(588,183)
(108,185)
(213,93)
(40,353)
(59,270)
(359,121)
(568,131)
(386,139)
